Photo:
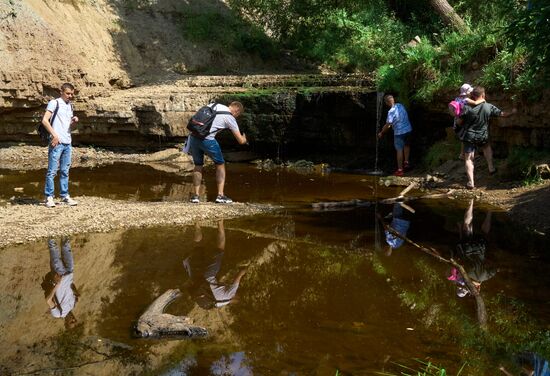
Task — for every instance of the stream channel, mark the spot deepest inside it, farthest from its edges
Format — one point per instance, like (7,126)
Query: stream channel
(296,292)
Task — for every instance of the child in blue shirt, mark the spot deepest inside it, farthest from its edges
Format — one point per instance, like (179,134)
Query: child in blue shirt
(398,119)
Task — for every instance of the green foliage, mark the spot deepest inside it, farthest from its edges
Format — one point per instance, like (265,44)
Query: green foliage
(440,152)
(427,369)
(344,35)
(212,28)
(521,164)
(507,41)
(499,72)
(530,30)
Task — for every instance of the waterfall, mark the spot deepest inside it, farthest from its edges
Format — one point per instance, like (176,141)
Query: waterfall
(379,103)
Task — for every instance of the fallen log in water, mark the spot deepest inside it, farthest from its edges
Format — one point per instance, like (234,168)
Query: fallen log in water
(154,323)
(401,198)
(338,205)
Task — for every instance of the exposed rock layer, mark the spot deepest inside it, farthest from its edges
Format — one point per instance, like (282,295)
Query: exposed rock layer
(131,66)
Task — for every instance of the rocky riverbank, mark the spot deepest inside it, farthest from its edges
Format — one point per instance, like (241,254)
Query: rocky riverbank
(24,221)
(21,223)
(528,205)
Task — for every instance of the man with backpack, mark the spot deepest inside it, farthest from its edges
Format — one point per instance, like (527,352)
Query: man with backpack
(204,126)
(475,123)
(58,120)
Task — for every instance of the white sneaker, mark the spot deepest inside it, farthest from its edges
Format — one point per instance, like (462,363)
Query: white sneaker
(49,202)
(69,201)
(223,199)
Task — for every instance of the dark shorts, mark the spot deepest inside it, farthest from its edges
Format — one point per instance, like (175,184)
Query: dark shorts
(402,140)
(199,148)
(471,147)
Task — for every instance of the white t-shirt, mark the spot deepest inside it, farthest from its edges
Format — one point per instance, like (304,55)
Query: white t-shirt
(222,122)
(62,122)
(65,297)
(223,294)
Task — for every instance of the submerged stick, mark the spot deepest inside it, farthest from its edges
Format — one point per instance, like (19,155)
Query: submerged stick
(336,205)
(341,205)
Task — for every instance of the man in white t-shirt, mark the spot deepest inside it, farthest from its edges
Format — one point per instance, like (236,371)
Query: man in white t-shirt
(63,296)
(203,266)
(58,120)
(209,146)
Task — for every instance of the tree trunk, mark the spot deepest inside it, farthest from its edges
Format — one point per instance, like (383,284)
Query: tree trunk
(448,14)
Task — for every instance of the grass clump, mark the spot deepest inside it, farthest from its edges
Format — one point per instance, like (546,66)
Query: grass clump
(441,152)
(522,164)
(427,368)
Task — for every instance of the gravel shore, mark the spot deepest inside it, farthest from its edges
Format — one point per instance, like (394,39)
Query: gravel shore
(21,223)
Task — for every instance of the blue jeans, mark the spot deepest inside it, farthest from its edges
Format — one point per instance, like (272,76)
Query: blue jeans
(59,158)
(199,148)
(61,262)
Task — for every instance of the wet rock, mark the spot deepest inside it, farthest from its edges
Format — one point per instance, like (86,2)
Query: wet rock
(266,164)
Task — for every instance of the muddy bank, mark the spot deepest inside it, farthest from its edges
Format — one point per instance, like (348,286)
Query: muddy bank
(20,223)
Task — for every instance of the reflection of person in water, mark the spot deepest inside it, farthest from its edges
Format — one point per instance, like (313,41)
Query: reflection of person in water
(203,266)
(471,252)
(401,221)
(60,291)
(531,364)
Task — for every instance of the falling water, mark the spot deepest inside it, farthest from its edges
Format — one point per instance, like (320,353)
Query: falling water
(379,101)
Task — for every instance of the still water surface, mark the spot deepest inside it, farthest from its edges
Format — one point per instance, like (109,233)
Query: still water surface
(294,292)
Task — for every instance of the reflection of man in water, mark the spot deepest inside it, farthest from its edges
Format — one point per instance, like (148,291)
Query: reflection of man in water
(61,293)
(400,222)
(203,266)
(471,251)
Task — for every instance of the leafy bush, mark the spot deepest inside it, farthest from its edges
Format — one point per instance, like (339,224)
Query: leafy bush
(509,42)
(531,30)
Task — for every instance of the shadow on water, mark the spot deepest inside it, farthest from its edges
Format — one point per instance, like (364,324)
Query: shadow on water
(297,291)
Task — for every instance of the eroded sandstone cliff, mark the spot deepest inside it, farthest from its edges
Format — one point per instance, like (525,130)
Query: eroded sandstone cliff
(137,80)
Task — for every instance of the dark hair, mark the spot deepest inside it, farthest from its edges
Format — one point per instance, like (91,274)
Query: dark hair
(67,85)
(478,92)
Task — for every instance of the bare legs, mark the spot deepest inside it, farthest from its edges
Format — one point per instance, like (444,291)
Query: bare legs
(403,155)
(399,159)
(469,163)
(488,153)
(220,178)
(469,167)
(197,179)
